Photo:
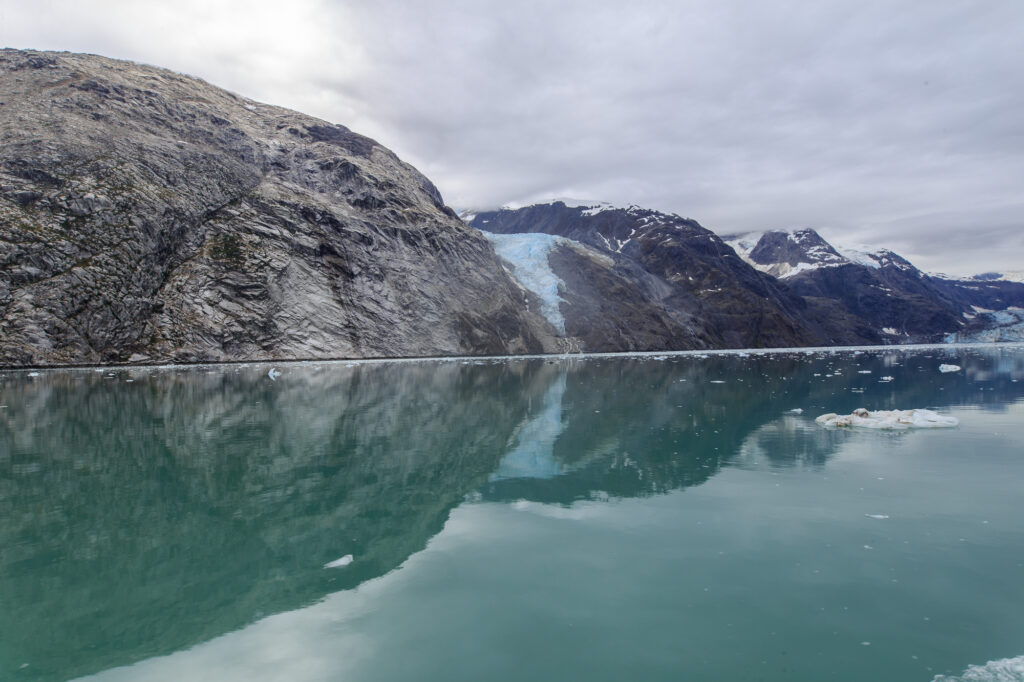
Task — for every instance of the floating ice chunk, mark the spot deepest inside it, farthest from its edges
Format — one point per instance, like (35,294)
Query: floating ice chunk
(889,419)
(274,373)
(949,368)
(33,374)
(339,563)
(716,381)
(795,410)
(886,379)
(863,371)
(1004,670)
(877,516)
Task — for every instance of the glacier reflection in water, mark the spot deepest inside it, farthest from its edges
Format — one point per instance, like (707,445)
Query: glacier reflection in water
(651,517)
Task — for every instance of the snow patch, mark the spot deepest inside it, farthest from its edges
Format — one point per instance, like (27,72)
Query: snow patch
(860,256)
(889,419)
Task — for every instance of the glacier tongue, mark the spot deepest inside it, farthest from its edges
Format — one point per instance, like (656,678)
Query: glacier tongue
(528,256)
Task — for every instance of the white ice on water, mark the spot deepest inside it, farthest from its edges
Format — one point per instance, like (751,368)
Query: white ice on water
(889,419)
(528,256)
(274,373)
(339,563)
(1003,670)
(949,368)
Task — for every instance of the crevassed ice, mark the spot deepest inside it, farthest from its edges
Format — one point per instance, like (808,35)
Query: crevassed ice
(528,256)
(1003,670)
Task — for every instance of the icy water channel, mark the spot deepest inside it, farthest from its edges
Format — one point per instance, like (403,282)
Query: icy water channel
(607,518)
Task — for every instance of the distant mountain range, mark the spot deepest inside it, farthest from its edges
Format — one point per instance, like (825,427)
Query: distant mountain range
(146,216)
(748,288)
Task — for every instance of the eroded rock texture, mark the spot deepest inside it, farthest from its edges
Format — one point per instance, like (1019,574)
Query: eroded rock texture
(149,216)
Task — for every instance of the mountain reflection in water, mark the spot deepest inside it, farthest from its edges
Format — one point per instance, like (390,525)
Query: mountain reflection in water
(143,511)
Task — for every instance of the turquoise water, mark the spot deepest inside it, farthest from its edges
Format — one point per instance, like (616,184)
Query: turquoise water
(652,517)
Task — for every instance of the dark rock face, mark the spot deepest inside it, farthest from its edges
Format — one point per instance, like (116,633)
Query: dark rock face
(877,297)
(671,268)
(146,215)
(615,305)
(984,293)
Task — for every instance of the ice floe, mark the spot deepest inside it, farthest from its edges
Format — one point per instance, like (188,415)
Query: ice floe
(949,368)
(274,373)
(1004,670)
(339,563)
(889,419)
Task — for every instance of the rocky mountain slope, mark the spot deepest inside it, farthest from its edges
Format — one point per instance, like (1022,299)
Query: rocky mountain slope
(877,296)
(149,216)
(674,270)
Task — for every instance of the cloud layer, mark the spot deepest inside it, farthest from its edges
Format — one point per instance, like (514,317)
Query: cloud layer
(889,123)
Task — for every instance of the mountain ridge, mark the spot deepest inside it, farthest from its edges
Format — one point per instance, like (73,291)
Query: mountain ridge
(150,217)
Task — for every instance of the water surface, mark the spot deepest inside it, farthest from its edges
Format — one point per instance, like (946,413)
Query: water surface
(654,517)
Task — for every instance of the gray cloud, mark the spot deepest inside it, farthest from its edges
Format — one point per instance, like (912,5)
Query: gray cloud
(891,123)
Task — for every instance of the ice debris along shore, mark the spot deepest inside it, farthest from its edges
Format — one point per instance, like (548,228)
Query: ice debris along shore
(889,419)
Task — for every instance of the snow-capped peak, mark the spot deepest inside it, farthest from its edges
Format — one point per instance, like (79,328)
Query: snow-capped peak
(784,253)
(1009,276)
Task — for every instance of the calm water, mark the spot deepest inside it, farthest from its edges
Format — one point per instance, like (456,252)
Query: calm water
(628,518)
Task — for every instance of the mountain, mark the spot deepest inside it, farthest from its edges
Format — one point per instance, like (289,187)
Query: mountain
(875,296)
(149,216)
(606,262)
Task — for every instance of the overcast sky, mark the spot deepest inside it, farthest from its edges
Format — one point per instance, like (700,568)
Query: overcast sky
(897,124)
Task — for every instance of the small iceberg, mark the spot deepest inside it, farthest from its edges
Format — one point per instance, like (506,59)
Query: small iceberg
(1004,670)
(339,563)
(949,368)
(274,373)
(889,419)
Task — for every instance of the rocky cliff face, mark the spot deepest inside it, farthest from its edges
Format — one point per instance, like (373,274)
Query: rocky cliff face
(146,215)
(666,265)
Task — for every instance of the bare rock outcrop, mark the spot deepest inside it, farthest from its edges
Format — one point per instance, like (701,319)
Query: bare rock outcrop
(149,216)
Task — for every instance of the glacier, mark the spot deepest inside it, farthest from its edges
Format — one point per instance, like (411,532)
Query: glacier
(528,256)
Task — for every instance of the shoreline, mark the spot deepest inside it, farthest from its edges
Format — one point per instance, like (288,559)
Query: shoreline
(506,358)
